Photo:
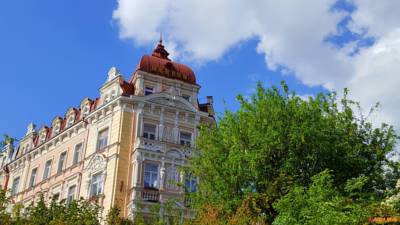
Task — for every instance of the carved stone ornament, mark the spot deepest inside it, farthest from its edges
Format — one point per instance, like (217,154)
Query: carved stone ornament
(97,163)
(113,73)
(173,102)
(30,129)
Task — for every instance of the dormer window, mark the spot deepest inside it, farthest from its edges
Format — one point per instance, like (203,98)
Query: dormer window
(86,110)
(148,90)
(70,121)
(42,137)
(56,129)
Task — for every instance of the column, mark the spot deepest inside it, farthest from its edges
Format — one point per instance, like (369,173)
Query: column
(175,130)
(161,125)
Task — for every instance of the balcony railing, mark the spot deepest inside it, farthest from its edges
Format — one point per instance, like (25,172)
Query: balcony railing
(158,145)
(150,195)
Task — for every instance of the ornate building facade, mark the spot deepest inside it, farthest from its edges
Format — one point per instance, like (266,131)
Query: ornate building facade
(121,149)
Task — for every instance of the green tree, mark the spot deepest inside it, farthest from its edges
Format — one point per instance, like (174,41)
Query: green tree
(5,216)
(114,218)
(319,204)
(6,140)
(39,212)
(277,140)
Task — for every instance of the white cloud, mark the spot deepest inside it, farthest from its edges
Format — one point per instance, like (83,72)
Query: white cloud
(291,36)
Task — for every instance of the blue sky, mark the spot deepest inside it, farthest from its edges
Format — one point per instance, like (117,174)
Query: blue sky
(55,53)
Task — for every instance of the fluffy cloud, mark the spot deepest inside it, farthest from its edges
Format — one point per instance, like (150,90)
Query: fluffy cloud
(292,37)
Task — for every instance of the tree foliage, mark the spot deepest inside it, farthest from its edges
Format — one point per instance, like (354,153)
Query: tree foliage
(320,203)
(77,212)
(277,141)
(6,140)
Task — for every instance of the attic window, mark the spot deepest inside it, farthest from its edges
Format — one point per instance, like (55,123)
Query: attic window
(43,137)
(148,90)
(71,119)
(56,129)
(85,110)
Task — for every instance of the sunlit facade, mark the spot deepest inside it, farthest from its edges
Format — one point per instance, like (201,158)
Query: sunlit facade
(123,148)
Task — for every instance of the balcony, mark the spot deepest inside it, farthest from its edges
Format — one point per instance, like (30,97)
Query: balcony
(161,145)
(151,145)
(150,195)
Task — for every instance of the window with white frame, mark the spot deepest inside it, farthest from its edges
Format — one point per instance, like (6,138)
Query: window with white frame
(71,119)
(56,129)
(96,186)
(185,138)
(15,186)
(43,137)
(47,168)
(61,162)
(77,153)
(190,183)
(172,178)
(149,131)
(33,178)
(151,175)
(71,194)
(102,139)
(86,110)
(148,90)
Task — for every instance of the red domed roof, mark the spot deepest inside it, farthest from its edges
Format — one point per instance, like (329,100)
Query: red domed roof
(159,63)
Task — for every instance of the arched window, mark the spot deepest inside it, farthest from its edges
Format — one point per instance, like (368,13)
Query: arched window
(71,119)
(42,137)
(85,110)
(56,129)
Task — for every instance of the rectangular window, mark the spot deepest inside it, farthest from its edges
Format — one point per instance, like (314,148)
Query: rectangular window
(149,131)
(56,196)
(15,185)
(172,178)
(33,178)
(71,194)
(47,168)
(102,139)
(61,162)
(190,183)
(148,90)
(77,153)
(150,175)
(96,187)
(187,97)
(185,138)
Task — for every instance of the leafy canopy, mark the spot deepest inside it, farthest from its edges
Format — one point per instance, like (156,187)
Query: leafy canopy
(277,140)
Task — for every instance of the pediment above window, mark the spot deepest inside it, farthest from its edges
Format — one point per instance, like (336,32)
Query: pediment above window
(96,163)
(171,100)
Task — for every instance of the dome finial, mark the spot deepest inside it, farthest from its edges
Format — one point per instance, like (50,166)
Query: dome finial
(160,51)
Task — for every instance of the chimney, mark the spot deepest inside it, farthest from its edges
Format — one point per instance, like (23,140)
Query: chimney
(210,100)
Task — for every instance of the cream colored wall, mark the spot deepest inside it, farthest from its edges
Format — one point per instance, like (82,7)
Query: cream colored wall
(122,186)
(54,179)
